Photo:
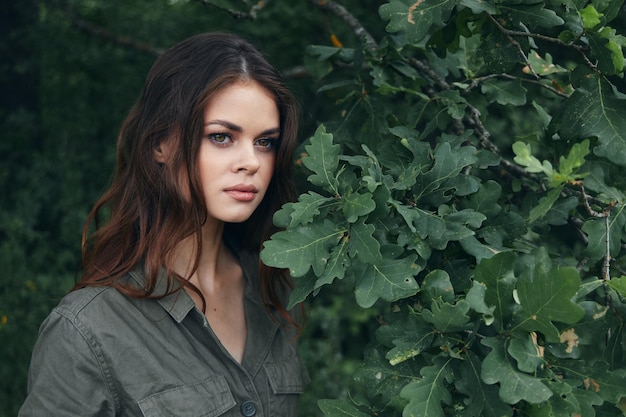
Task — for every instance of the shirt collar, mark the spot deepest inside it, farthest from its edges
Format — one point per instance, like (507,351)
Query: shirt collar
(178,304)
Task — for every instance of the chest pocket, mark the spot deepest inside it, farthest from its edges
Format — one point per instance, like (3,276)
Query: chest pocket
(287,379)
(208,398)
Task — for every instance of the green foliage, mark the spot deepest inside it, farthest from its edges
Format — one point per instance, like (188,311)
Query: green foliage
(461,226)
(470,194)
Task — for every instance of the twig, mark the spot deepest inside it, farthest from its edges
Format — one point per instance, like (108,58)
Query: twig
(101,32)
(604,214)
(510,33)
(474,118)
(476,82)
(424,68)
(352,21)
(514,43)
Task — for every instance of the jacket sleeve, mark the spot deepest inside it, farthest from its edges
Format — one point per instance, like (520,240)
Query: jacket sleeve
(68,375)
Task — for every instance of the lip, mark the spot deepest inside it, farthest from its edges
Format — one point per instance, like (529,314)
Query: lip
(242,192)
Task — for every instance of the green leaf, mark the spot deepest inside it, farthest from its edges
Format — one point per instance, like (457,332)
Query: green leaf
(336,265)
(618,284)
(323,160)
(494,53)
(432,186)
(505,92)
(514,385)
(437,285)
(561,211)
(405,169)
(447,317)
(472,246)
(485,200)
(544,66)
(455,227)
(301,248)
(476,299)
(340,408)
(479,6)
(544,205)
(568,401)
(524,157)
(497,275)
(414,340)
(413,242)
(453,102)
(599,230)
(525,350)
(532,15)
(363,245)
(574,160)
(415,18)
(590,17)
(609,8)
(607,50)
(483,400)
(303,286)
(596,109)
(379,377)
(596,377)
(302,212)
(410,214)
(614,44)
(443,227)
(599,180)
(545,294)
(391,280)
(426,395)
(355,205)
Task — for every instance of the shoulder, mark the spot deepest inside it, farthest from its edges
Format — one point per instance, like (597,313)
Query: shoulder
(83,314)
(85,301)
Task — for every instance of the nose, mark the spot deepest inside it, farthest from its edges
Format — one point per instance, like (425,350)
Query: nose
(247,159)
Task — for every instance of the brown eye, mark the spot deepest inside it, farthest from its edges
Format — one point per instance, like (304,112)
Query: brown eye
(266,143)
(219,138)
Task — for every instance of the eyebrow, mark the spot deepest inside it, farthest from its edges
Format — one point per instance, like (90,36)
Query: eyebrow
(237,128)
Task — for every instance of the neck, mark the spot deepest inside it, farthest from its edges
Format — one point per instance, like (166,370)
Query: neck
(213,272)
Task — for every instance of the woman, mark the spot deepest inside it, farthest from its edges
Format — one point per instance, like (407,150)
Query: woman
(174,315)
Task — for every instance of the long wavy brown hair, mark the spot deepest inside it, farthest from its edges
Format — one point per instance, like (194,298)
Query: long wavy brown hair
(144,214)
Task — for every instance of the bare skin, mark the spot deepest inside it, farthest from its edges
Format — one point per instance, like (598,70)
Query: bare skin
(220,280)
(236,164)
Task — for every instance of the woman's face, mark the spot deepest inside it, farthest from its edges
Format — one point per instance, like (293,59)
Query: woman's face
(238,151)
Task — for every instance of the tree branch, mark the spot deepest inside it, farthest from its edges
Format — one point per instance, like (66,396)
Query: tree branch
(352,21)
(604,214)
(103,33)
(476,81)
(511,33)
(482,133)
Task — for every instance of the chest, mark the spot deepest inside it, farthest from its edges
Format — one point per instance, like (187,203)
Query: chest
(183,369)
(227,319)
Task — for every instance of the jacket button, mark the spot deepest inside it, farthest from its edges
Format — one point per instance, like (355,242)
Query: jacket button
(248,409)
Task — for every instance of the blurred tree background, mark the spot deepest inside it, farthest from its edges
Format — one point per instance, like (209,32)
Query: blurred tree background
(69,72)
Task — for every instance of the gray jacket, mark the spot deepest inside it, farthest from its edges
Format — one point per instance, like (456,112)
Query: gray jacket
(101,353)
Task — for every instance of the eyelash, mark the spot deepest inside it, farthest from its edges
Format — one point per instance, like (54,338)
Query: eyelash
(272,143)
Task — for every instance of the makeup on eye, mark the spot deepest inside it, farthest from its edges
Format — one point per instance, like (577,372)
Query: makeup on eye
(267,140)
(265,143)
(219,138)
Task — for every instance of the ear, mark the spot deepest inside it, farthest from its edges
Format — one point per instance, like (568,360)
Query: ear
(162,151)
